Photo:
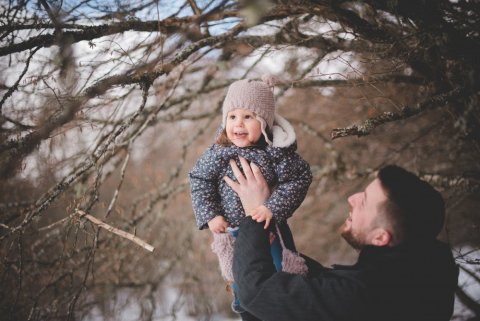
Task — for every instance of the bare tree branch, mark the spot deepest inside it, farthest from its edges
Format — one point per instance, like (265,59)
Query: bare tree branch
(114,230)
(15,86)
(167,27)
(406,112)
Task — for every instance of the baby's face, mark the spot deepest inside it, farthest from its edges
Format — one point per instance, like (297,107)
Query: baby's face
(242,127)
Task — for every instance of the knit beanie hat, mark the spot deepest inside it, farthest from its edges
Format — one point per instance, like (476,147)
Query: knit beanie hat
(254,95)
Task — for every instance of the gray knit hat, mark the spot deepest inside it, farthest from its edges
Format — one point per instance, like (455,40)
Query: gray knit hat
(254,95)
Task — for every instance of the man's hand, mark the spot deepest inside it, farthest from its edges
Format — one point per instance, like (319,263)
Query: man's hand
(218,224)
(262,214)
(252,188)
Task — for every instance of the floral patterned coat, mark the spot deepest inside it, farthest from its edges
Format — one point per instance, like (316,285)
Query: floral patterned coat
(285,171)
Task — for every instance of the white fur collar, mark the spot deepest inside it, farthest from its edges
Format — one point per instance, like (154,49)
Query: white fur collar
(283,132)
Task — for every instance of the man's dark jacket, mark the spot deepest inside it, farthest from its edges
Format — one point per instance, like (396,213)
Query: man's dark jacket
(407,282)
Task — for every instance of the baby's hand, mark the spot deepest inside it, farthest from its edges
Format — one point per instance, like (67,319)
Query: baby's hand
(218,224)
(262,213)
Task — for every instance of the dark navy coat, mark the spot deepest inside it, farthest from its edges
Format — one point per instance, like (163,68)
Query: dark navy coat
(408,282)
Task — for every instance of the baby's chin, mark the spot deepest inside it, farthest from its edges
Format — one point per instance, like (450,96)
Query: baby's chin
(241,143)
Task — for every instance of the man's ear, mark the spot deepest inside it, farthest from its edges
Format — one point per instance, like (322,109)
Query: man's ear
(381,237)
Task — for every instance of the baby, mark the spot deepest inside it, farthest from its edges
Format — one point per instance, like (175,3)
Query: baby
(252,130)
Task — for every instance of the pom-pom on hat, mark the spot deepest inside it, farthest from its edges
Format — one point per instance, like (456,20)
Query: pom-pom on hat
(254,95)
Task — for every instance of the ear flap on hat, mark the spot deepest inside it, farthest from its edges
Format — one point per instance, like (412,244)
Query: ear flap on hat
(263,126)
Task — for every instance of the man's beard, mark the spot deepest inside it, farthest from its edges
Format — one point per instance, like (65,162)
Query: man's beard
(352,238)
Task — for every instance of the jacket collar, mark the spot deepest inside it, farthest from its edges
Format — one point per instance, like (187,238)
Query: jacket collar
(407,250)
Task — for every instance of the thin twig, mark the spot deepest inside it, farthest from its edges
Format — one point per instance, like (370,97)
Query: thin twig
(13,88)
(117,191)
(5,226)
(56,223)
(115,230)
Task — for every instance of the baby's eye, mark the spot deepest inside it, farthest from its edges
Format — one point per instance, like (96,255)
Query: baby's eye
(248,117)
(231,117)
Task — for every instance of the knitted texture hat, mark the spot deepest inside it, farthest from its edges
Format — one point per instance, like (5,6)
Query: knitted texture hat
(254,95)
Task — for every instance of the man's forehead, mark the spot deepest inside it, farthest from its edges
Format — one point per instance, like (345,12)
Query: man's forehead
(375,192)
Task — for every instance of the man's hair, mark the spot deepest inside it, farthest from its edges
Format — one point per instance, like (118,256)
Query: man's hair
(413,207)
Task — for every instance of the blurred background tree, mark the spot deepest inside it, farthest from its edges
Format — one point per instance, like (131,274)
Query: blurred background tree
(105,105)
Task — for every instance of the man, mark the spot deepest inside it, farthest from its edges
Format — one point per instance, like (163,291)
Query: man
(402,273)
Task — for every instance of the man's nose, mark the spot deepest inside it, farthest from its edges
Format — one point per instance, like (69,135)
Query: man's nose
(351,199)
